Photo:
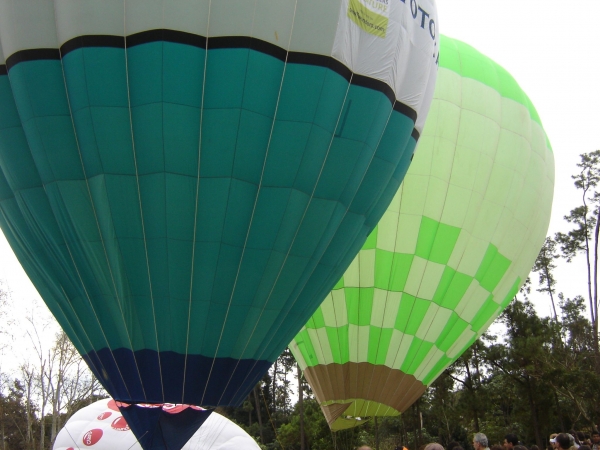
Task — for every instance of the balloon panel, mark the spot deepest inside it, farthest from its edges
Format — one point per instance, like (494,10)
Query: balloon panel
(449,254)
(183,203)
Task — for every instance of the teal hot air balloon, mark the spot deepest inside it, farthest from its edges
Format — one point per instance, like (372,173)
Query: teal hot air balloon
(449,254)
(184,181)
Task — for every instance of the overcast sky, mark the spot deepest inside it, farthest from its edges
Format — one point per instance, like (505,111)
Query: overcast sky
(550,47)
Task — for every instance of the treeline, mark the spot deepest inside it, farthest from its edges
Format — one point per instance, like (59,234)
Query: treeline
(51,384)
(537,377)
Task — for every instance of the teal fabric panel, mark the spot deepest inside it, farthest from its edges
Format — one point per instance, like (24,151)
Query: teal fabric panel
(57,305)
(158,251)
(264,75)
(332,100)
(183,74)
(302,91)
(90,260)
(30,226)
(42,271)
(147,132)
(253,138)
(45,114)
(39,92)
(285,155)
(17,164)
(396,136)
(106,145)
(219,137)
(315,154)
(298,201)
(341,159)
(181,124)
(271,206)
(397,143)
(98,96)
(96,77)
(388,194)
(240,205)
(361,124)
(225,78)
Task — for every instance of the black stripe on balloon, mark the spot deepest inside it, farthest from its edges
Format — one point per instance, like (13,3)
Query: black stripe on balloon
(406,110)
(415,135)
(144,37)
(221,42)
(376,85)
(3,70)
(177,37)
(92,41)
(328,62)
(36,54)
(247,42)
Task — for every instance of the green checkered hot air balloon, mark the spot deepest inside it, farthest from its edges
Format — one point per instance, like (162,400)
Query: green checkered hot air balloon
(453,248)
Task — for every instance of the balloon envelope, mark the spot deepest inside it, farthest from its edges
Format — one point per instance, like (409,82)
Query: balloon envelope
(101,426)
(449,254)
(185,181)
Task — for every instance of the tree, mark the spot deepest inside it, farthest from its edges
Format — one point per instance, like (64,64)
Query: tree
(13,419)
(523,360)
(583,237)
(57,382)
(28,379)
(69,381)
(544,266)
(572,369)
(301,383)
(4,305)
(281,374)
(317,433)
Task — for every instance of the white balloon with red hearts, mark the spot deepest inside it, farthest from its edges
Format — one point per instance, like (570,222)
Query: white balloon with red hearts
(101,426)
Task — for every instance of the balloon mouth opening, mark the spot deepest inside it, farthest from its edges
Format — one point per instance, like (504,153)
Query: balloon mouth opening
(171,408)
(163,425)
(351,413)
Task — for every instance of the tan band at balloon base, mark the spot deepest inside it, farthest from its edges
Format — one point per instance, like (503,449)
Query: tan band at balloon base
(348,392)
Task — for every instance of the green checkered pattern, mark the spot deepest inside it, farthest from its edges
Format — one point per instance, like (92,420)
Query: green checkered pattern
(459,238)
(410,311)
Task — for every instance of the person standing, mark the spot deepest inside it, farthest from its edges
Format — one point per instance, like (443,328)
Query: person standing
(510,441)
(563,441)
(480,442)
(595,440)
(434,446)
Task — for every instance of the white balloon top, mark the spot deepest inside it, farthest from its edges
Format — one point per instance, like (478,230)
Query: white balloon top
(102,426)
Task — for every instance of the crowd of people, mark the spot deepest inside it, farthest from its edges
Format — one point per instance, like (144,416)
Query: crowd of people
(573,440)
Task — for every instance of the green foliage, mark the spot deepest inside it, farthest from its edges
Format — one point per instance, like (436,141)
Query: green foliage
(316,430)
(13,418)
(537,379)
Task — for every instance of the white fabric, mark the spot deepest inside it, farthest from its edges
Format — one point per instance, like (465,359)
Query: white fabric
(400,51)
(405,58)
(101,426)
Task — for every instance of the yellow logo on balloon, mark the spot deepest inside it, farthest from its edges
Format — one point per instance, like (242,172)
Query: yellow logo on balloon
(370,15)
